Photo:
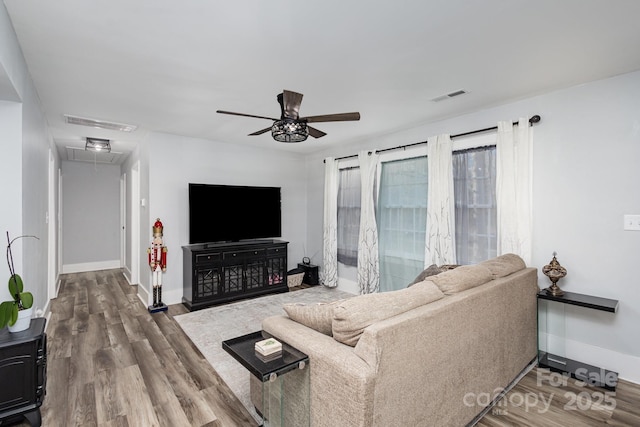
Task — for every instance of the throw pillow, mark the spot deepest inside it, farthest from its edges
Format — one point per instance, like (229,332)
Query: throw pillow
(315,316)
(462,278)
(504,265)
(353,315)
(432,270)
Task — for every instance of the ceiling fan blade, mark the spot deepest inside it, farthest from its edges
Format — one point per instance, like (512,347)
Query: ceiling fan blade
(261,131)
(315,132)
(290,104)
(245,115)
(342,117)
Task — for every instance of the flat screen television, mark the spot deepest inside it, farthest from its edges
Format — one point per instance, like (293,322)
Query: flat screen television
(230,213)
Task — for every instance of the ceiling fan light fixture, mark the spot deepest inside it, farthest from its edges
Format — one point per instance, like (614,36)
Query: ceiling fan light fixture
(288,130)
(98,144)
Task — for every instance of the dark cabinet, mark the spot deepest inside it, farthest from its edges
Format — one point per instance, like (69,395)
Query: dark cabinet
(215,273)
(23,372)
(311,276)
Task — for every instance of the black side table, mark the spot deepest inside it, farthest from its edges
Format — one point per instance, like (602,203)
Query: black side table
(557,362)
(23,373)
(311,276)
(285,380)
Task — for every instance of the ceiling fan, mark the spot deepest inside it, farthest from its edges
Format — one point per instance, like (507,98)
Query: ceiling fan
(290,127)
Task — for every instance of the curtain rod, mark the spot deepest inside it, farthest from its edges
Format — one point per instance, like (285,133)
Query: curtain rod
(532,120)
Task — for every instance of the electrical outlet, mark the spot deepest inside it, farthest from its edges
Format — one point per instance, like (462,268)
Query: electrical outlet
(632,222)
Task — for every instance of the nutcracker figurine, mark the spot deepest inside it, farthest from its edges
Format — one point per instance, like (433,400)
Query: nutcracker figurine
(158,264)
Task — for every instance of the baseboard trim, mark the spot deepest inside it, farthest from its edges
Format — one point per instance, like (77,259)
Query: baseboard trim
(90,266)
(143,295)
(127,274)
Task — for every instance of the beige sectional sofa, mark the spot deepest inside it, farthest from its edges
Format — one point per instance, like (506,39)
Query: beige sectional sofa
(419,356)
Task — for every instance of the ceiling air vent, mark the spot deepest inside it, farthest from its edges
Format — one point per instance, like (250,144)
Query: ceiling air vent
(449,95)
(100,124)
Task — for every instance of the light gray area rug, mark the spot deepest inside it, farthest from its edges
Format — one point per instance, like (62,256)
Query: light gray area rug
(207,328)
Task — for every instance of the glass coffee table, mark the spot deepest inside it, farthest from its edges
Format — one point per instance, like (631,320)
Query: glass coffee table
(284,381)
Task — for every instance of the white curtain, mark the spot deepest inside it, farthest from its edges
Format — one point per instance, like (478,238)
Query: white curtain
(368,264)
(440,242)
(513,188)
(330,231)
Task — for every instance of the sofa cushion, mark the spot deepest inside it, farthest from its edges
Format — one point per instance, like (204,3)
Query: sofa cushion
(315,316)
(504,265)
(432,270)
(351,316)
(462,278)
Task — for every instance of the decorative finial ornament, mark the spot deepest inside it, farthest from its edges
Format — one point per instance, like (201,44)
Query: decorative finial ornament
(554,271)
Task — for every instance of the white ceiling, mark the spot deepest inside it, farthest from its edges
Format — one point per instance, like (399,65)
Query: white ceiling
(167,66)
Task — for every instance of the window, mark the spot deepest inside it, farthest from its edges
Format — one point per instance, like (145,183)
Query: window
(348,215)
(402,219)
(474,180)
(401,213)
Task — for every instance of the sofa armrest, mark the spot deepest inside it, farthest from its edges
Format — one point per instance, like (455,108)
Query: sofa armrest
(337,374)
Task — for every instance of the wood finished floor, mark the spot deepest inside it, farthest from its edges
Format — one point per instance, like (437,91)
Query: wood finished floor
(544,399)
(111,363)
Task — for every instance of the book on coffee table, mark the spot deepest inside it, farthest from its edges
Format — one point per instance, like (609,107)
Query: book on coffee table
(269,358)
(268,347)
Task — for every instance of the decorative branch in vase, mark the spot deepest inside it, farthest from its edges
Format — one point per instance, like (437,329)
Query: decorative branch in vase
(20,307)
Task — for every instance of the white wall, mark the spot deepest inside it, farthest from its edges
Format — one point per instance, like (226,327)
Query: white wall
(136,160)
(11,182)
(586,175)
(25,165)
(11,66)
(36,145)
(91,216)
(176,161)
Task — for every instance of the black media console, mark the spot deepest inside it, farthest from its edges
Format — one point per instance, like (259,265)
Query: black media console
(216,273)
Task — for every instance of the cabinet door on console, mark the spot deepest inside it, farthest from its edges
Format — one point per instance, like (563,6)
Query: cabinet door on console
(243,270)
(208,281)
(17,369)
(254,274)
(207,274)
(276,265)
